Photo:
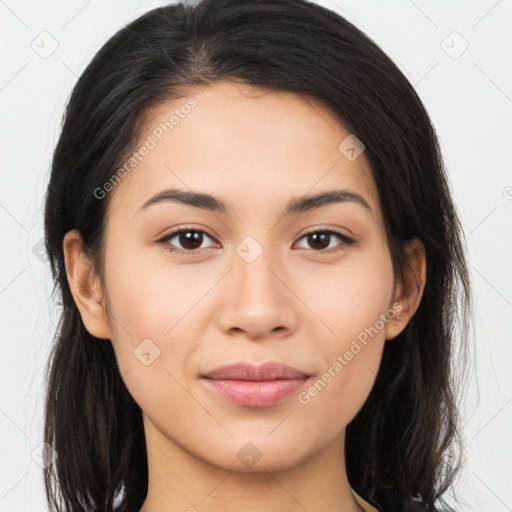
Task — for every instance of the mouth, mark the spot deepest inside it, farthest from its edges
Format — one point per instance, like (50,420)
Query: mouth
(252,386)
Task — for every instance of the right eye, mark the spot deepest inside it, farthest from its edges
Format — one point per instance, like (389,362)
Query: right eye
(190,239)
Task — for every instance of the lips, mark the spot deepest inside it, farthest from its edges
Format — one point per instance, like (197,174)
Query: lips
(253,386)
(246,371)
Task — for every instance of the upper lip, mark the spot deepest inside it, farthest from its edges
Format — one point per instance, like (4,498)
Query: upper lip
(246,371)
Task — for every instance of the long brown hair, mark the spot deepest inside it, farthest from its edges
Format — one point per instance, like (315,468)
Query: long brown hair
(400,438)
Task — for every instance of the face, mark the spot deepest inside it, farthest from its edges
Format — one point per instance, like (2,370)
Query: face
(244,281)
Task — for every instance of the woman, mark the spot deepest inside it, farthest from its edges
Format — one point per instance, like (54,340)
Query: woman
(261,270)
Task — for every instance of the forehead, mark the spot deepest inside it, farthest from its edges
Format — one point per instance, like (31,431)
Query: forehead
(250,145)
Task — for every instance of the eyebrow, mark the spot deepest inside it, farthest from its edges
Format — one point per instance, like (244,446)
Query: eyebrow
(295,206)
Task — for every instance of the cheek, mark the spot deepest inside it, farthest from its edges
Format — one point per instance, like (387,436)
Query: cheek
(349,304)
(148,295)
(153,314)
(349,297)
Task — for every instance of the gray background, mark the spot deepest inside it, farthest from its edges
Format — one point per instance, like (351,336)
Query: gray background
(468,93)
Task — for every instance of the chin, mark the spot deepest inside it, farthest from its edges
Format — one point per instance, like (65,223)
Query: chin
(257,456)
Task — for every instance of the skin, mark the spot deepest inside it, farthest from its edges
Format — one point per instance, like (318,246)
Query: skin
(255,149)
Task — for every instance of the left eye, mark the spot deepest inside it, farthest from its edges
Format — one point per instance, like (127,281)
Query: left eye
(192,239)
(322,236)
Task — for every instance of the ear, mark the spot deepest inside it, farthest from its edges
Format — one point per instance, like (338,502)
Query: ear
(407,298)
(85,286)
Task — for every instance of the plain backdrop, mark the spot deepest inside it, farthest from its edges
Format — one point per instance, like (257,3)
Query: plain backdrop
(458,56)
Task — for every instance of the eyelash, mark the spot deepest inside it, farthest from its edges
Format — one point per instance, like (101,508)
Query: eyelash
(346,241)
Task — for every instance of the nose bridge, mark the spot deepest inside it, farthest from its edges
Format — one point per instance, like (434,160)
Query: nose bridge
(254,273)
(258,300)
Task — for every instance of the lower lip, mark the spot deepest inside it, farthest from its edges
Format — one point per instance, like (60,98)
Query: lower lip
(255,393)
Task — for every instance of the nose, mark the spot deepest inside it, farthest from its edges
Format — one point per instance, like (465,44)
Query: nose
(258,300)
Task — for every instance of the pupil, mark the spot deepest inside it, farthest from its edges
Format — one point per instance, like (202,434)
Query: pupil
(322,236)
(187,238)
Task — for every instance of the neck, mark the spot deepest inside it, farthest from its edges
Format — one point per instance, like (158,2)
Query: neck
(180,481)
